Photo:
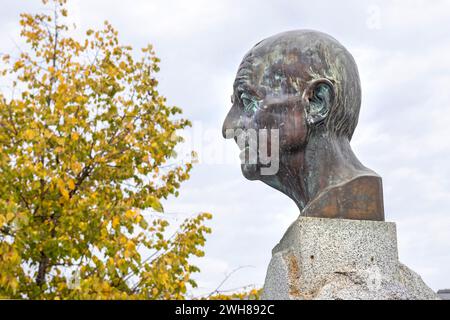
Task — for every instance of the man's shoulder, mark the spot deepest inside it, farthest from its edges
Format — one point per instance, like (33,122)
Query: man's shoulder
(359,198)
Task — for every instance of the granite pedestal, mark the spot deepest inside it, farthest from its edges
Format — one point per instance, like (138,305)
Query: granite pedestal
(341,259)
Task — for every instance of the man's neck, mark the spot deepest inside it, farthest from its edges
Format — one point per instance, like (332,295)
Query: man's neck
(326,161)
(329,161)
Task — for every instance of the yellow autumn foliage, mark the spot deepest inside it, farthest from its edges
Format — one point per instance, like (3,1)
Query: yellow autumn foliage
(84,142)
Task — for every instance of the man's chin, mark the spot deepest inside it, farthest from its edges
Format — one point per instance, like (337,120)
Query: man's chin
(250,171)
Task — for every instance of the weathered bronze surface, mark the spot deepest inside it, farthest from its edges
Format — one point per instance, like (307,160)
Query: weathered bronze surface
(305,85)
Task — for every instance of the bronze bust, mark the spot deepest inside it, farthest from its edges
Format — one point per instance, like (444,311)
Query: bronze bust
(303,86)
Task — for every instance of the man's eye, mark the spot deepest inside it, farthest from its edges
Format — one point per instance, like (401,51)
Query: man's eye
(232,99)
(250,103)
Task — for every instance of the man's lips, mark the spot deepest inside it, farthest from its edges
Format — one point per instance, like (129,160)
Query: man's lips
(242,154)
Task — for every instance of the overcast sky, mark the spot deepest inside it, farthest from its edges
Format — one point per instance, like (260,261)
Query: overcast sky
(402,49)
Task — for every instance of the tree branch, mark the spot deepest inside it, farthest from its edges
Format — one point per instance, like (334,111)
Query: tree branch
(227,276)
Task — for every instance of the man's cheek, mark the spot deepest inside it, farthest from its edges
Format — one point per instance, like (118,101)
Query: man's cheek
(292,135)
(261,120)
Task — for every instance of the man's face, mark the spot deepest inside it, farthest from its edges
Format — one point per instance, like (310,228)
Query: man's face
(260,106)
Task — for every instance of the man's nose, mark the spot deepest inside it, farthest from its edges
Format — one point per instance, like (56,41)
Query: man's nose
(230,123)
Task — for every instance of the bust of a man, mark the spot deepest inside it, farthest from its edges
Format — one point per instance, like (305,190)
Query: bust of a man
(302,90)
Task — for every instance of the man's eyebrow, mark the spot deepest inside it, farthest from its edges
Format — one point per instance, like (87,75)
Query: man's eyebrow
(239,84)
(246,88)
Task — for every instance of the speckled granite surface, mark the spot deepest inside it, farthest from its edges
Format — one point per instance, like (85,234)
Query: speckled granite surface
(341,259)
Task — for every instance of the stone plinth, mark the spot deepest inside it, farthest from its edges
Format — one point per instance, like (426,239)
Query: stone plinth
(341,259)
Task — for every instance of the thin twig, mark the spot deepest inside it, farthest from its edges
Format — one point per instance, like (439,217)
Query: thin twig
(227,276)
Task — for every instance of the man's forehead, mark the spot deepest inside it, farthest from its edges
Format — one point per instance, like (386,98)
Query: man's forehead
(276,70)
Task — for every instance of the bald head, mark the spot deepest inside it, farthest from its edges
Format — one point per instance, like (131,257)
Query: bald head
(288,63)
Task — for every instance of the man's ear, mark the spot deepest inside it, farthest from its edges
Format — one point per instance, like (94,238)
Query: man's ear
(320,98)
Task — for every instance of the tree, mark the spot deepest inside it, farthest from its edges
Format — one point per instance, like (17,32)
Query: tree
(86,144)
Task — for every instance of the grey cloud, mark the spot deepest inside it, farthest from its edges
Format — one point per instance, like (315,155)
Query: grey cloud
(403,132)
